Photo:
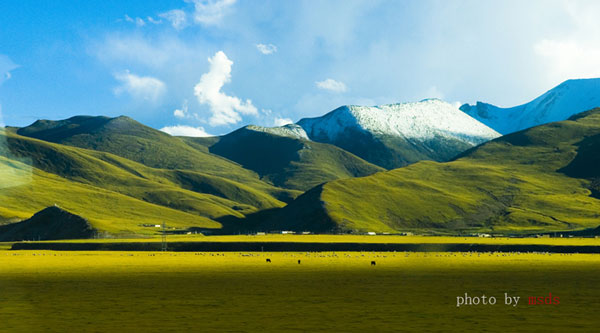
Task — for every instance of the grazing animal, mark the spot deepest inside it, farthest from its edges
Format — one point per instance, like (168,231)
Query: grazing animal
(298,261)
(373,263)
(268,260)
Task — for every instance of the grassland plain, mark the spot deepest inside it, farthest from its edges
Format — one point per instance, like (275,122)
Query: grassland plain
(144,291)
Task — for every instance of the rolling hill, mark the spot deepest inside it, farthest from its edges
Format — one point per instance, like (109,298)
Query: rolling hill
(109,212)
(115,194)
(541,179)
(196,169)
(396,135)
(559,103)
(284,157)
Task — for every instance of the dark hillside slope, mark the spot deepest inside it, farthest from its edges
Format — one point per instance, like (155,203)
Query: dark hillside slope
(48,224)
(290,162)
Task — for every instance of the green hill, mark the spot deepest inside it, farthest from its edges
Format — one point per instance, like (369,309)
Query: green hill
(541,179)
(174,188)
(118,195)
(285,161)
(26,191)
(125,137)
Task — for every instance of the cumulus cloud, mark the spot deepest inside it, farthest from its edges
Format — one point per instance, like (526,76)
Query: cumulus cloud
(282,121)
(266,48)
(225,109)
(210,12)
(145,88)
(331,85)
(177,17)
(182,130)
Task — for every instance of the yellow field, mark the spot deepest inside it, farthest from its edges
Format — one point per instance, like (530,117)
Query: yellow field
(145,291)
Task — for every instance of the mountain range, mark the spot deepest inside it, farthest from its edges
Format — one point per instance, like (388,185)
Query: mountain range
(426,166)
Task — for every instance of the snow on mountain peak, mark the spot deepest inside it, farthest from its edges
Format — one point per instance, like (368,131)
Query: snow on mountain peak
(559,103)
(424,120)
(289,130)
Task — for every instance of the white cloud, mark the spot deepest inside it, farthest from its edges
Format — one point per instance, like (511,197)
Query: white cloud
(182,130)
(225,109)
(138,21)
(210,12)
(177,17)
(7,75)
(576,52)
(569,59)
(266,48)
(183,112)
(153,20)
(331,85)
(144,88)
(282,121)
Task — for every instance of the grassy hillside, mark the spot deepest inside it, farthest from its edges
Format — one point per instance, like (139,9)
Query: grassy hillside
(107,211)
(159,186)
(125,137)
(539,179)
(189,198)
(285,161)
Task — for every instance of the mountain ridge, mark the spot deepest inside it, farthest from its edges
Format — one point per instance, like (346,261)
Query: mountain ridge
(557,104)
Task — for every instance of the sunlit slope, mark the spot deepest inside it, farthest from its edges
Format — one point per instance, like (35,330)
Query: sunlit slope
(186,190)
(537,179)
(107,211)
(287,161)
(125,137)
(94,167)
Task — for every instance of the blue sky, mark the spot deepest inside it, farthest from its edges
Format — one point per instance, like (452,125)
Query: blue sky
(213,66)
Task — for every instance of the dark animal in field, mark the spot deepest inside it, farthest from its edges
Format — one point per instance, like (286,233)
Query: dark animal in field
(298,261)
(268,260)
(373,263)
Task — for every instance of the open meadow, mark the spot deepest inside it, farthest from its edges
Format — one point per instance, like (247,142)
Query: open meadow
(326,291)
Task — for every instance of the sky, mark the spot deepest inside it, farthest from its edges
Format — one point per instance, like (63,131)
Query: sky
(207,67)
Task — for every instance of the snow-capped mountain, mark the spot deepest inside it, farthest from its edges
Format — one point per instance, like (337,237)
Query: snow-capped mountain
(566,99)
(399,134)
